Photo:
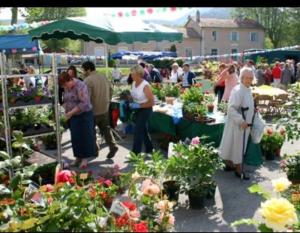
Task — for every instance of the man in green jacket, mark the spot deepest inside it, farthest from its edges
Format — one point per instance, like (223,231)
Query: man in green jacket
(100,91)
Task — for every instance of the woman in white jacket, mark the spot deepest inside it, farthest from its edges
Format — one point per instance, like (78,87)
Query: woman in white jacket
(232,140)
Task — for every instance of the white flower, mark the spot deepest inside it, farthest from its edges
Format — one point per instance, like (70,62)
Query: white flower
(281,184)
(135,175)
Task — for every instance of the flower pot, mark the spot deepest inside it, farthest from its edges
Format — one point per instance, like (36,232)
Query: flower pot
(196,200)
(277,152)
(269,155)
(37,99)
(210,108)
(171,189)
(200,119)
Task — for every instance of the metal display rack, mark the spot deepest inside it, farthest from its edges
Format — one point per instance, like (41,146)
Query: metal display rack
(6,108)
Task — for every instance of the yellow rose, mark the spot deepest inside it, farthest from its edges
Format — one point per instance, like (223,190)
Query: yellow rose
(281,184)
(278,213)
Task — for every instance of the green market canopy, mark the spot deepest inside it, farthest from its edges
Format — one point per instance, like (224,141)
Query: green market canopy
(106,30)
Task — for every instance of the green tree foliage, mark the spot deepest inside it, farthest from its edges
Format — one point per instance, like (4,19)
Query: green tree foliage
(52,13)
(35,14)
(14,15)
(276,21)
(173,48)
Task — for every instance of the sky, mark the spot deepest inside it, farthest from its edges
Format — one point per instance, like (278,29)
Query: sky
(157,13)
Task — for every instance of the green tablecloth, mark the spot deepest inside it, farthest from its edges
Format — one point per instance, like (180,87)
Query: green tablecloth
(164,123)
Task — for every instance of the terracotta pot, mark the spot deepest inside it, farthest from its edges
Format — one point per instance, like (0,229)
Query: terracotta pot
(37,98)
(210,108)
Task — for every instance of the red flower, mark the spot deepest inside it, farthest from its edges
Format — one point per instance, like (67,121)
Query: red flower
(130,205)
(103,195)
(122,220)
(269,131)
(140,227)
(206,92)
(101,180)
(65,176)
(49,200)
(92,193)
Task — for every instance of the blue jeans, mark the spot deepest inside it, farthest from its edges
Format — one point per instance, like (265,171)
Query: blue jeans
(141,134)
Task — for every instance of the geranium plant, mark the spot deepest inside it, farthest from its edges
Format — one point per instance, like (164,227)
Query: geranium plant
(272,140)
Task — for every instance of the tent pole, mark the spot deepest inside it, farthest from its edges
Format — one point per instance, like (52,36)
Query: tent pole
(106,59)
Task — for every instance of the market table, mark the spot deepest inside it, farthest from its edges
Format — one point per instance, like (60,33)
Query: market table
(162,121)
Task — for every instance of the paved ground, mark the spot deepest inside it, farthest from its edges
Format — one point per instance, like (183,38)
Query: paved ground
(232,200)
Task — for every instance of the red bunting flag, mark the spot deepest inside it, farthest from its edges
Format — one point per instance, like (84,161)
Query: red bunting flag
(173,8)
(120,14)
(149,10)
(133,12)
(14,50)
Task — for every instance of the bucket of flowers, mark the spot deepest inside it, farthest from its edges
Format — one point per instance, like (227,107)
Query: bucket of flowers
(272,142)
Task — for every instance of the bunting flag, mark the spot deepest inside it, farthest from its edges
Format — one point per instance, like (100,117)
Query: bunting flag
(247,53)
(147,11)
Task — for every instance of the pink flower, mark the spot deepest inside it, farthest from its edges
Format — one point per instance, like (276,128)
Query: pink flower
(49,188)
(171,219)
(149,188)
(108,183)
(195,141)
(65,176)
(134,214)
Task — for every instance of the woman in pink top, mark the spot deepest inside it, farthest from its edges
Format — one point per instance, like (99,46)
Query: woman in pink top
(231,80)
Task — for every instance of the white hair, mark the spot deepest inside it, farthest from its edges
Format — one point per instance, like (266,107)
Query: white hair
(138,69)
(246,70)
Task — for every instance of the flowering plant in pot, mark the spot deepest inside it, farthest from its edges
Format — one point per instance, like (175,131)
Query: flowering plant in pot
(154,167)
(278,213)
(291,166)
(193,166)
(271,142)
(209,100)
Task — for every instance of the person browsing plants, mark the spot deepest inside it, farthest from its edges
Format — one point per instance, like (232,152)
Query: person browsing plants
(100,90)
(80,116)
(143,100)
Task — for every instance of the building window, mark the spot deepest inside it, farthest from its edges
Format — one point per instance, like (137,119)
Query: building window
(234,36)
(214,51)
(214,35)
(233,51)
(253,36)
(188,52)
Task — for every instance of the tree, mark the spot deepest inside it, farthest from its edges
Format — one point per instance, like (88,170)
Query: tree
(173,48)
(273,19)
(55,13)
(14,15)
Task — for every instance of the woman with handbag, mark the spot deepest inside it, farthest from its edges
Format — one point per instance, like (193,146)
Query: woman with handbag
(240,103)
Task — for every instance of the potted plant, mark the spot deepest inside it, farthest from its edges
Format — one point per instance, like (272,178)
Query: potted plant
(271,142)
(193,166)
(222,107)
(171,92)
(209,99)
(155,167)
(38,95)
(291,166)
(195,112)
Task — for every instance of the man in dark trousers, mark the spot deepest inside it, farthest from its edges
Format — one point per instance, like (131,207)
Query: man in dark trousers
(154,74)
(100,91)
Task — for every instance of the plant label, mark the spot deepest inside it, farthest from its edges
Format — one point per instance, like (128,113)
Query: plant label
(117,208)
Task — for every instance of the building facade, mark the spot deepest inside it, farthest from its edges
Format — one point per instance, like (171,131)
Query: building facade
(201,36)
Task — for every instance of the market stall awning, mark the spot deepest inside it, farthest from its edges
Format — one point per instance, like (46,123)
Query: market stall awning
(11,44)
(105,29)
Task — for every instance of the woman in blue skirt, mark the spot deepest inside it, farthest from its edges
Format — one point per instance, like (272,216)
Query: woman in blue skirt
(79,113)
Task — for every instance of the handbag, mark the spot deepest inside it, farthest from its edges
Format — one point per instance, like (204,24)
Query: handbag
(257,130)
